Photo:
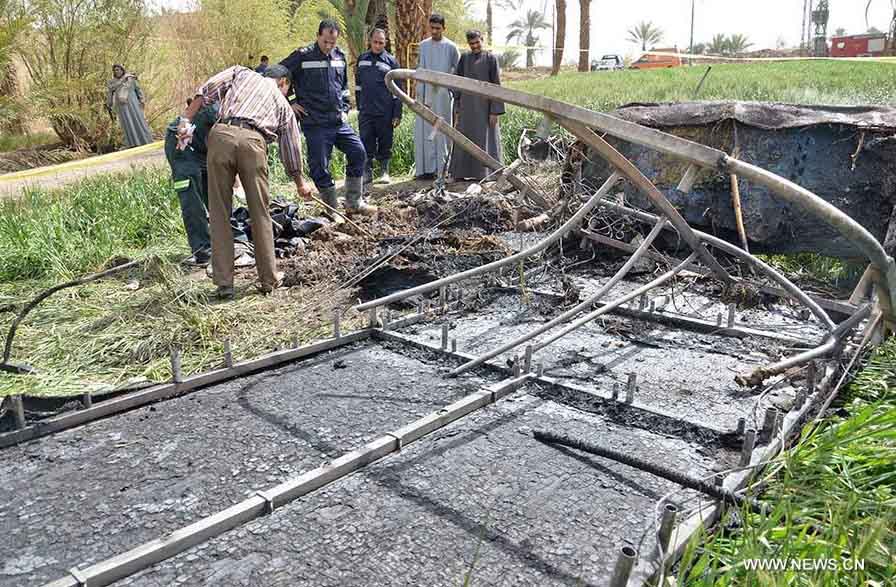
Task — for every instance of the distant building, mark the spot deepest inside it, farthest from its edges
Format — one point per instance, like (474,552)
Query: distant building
(869,45)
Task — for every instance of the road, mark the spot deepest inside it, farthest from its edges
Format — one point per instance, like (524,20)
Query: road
(55,176)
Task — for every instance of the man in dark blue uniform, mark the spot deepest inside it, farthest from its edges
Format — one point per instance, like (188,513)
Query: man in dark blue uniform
(320,100)
(380,111)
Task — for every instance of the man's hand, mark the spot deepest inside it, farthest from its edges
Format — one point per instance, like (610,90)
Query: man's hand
(299,110)
(185,131)
(493,120)
(396,122)
(304,189)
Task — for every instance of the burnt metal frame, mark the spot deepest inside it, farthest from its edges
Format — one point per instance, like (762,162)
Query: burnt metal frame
(581,123)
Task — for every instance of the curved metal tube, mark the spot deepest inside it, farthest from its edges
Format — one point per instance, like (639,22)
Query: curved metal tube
(677,147)
(657,229)
(618,302)
(834,340)
(798,295)
(573,221)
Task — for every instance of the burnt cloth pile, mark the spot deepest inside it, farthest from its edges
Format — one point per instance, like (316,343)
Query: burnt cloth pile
(289,229)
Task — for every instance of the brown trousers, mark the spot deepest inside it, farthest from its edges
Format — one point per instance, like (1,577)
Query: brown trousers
(235,151)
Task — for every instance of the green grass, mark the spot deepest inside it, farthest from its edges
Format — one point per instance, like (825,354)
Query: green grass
(833,497)
(72,231)
(11,142)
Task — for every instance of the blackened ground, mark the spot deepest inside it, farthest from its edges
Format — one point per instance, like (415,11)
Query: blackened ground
(89,493)
(480,498)
(686,374)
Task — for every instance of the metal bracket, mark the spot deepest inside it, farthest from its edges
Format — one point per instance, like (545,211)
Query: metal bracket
(398,439)
(269,501)
(80,577)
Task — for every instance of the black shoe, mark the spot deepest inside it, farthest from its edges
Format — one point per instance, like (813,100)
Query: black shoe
(225,292)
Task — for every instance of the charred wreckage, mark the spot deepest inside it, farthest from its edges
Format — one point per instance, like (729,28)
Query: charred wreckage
(629,374)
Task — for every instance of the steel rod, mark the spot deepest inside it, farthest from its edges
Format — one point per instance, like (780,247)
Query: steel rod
(831,343)
(788,286)
(624,565)
(567,226)
(670,474)
(575,310)
(617,302)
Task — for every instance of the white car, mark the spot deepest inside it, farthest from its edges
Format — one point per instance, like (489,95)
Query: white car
(608,63)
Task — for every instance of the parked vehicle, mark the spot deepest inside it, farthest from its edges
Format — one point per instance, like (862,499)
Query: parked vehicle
(608,63)
(653,61)
(870,45)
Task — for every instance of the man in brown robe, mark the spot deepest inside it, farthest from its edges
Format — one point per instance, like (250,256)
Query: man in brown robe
(476,117)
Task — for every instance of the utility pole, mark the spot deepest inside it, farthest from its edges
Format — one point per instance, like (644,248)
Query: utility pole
(691,47)
(803,30)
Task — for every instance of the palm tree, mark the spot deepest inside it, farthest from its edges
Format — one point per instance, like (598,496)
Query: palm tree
(645,33)
(355,14)
(524,30)
(560,40)
(738,43)
(718,45)
(408,32)
(584,34)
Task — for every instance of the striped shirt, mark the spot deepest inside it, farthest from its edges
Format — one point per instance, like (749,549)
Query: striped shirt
(243,93)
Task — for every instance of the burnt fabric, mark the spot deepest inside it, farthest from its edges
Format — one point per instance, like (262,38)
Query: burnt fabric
(289,229)
(473,116)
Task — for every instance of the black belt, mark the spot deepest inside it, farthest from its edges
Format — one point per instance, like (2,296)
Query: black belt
(242,123)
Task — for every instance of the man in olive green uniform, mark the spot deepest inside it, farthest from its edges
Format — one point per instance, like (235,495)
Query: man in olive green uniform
(190,175)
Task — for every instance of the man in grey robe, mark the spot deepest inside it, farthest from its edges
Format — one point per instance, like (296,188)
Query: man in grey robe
(436,54)
(124,98)
(477,117)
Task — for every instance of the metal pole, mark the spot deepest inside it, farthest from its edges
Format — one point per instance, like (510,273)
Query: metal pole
(18,411)
(228,356)
(575,310)
(445,336)
(746,451)
(337,326)
(87,399)
(667,524)
(630,387)
(527,364)
(176,375)
(624,565)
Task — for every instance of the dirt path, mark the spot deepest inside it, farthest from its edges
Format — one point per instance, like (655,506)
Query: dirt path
(55,176)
